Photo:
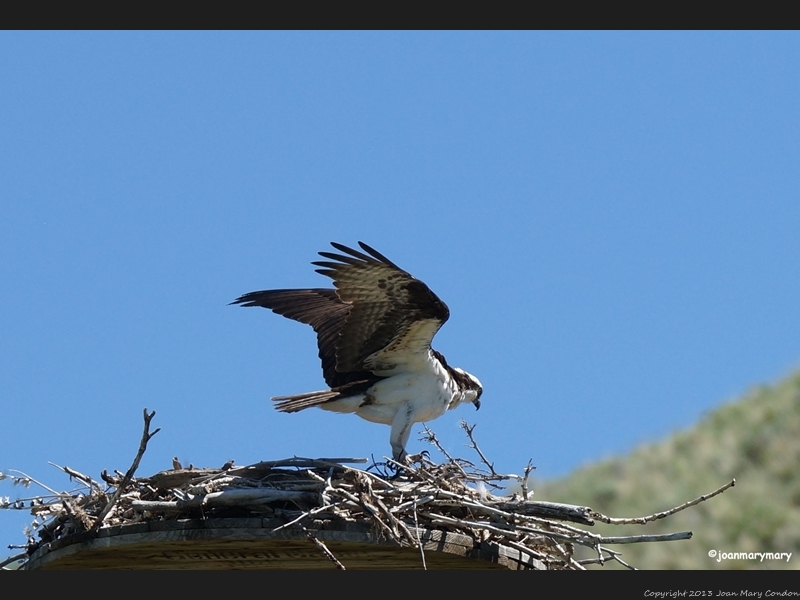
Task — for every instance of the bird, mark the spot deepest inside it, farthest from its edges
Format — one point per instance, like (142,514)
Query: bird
(374,334)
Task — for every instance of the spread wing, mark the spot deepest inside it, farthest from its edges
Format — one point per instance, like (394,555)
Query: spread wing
(320,308)
(379,316)
(392,317)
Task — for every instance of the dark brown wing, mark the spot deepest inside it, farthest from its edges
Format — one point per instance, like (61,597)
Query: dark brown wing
(393,316)
(320,308)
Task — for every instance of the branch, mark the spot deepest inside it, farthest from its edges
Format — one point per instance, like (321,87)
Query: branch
(524,481)
(25,480)
(657,537)
(324,549)
(419,540)
(146,435)
(431,438)
(307,514)
(79,476)
(614,555)
(661,515)
(251,497)
(474,445)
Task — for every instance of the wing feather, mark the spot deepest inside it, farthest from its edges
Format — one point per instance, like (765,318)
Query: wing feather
(377,319)
(320,308)
(393,315)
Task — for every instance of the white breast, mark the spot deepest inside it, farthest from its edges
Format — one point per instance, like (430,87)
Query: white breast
(425,395)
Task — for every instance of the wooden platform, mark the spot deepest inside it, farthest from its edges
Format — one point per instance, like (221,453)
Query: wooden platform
(253,543)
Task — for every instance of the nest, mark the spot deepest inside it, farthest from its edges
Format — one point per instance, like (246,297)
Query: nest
(402,504)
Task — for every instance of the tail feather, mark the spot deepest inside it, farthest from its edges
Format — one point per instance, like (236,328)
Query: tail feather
(299,402)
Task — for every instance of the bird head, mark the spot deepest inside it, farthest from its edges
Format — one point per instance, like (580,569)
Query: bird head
(471,388)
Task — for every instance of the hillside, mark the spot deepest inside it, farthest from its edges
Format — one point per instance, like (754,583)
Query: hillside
(755,440)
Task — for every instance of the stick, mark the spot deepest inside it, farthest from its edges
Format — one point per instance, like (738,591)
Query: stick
(474,445)
(230,497)
(79,476)
(307,514)
(635,539)
(26,480)
(146,435)
(431,438)
(419,540)
(324,549)
(666,513)
(524,482)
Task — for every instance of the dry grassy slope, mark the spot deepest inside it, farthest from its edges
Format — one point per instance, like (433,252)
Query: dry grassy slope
(755,439)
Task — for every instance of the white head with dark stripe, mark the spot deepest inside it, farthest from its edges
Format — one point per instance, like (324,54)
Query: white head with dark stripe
(470,386)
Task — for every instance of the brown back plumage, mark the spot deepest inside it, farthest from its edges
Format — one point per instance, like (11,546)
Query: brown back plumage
(377,315)
(386,303)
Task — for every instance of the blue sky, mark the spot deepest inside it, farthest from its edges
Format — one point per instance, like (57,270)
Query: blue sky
(611,217)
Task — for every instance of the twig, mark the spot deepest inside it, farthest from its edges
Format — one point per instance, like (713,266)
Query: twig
(661,515)
(324,549)
(77,515)
(567,556)
(635,539)
(91,483)
(419,540)
(26,480)
(146,435)
(251,497)
(307,514)
(524,480)
(431,438)
(415,502)
(474,445)
(525,550)
(614,555)
(498,528)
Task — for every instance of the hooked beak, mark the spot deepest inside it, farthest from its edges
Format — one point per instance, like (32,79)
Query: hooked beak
(477,404)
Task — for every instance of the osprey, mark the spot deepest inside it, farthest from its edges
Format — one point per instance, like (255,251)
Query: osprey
(374,335)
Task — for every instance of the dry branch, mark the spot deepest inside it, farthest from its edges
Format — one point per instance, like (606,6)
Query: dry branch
(328,554)
(664,514)
(146,435)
